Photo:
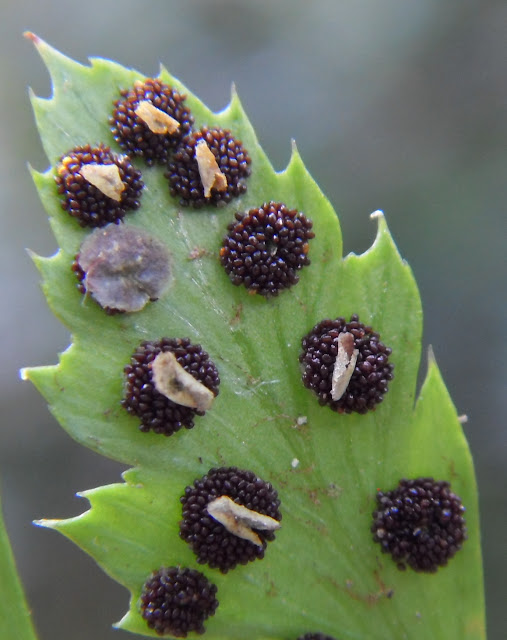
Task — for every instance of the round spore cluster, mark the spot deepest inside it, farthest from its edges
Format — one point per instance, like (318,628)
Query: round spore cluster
(232,160)
(315,636)
(87,203)
(79,273)
(156,412)
(372,373)
(207,537)
(266,247)
(176,601)
(420,523)
(134,135)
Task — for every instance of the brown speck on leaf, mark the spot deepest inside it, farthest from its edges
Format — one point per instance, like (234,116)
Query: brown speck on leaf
(385,591)
(236,319)
(369,599)
(301,425)
(272,592)
(314,496)
(309,469)
(252,381)
(452,469)
(333,491)
(197,252)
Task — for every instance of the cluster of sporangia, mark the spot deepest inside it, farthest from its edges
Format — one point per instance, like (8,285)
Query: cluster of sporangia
(229,515)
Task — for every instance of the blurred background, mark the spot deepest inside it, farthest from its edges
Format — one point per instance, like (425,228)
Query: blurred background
(404,105)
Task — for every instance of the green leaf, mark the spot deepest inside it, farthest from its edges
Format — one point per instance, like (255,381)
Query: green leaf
(323,572)
(15,618)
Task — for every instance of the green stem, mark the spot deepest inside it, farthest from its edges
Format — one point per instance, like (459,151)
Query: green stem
(15,617)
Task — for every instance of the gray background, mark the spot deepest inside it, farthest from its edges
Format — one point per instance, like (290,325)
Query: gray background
(404,105)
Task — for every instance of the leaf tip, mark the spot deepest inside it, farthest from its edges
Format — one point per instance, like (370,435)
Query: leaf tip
(377,215)
(31,254)
(164,73)
(24,374)
(37,260)
(47,523)
(380,218)
(295,160)
(122,624)
(29,35)
(384,236)
(234,108)
(431,357)
(41,45)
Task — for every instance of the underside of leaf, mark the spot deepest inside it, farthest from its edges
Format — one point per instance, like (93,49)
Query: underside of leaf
(323,572)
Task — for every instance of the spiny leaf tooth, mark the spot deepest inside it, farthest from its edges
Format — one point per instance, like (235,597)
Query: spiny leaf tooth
(56,62)
(48,523)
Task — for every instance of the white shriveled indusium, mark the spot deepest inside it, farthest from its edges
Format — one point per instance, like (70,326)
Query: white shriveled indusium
(239,520)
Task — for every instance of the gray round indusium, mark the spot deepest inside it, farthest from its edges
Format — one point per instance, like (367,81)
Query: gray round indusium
(122,267)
